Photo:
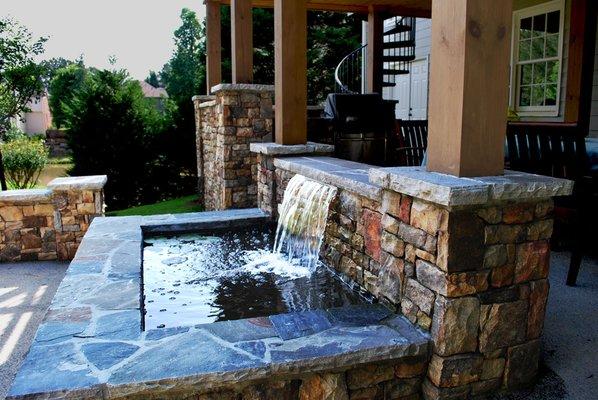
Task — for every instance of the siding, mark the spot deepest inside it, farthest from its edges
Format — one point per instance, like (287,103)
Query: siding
(594,111)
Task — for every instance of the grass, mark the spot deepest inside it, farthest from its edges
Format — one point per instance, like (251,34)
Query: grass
(174,206)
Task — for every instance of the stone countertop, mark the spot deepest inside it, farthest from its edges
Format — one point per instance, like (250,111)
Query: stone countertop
(275,149)
(452,191)
(93,182)
(348,175)
(91,345)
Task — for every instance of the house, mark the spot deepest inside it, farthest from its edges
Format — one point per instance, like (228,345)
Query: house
(547,50)
(155,95)
(38,119)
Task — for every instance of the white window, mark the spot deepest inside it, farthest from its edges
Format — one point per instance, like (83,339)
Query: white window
(537,59)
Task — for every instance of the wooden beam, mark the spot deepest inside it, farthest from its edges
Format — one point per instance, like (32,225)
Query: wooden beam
(290,64)
(374,51)
(469,76)
(242,41)
(213,45)
(580,67)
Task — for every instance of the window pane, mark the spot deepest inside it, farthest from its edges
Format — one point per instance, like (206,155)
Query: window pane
(524,50)
(525,30)
(553,23)
(526,74)
(537,95)
(539,73)
(552,71)
(537,48)
(552,43)
(524,96)
(550,95)
(539,25)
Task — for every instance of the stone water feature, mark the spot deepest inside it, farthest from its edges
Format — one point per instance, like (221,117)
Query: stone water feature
(92,344)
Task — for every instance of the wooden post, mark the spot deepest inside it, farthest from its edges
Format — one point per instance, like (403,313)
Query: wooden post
(469,80)
(213,44)
(374,51)
(580,67)
(242,41)
(290,60)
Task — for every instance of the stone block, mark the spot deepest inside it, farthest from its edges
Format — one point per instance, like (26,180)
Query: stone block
(390,224)
(410,254)
(461,246)
(540,230)
(409,309)
(419,295)
(455,371)
(43,209)
(11,213)
(417,237)
(391,203)
(502,276)
(324,387)
(428,217)
(432,392)
(518,213)
(455,325)
(405,211)
(491,215)
(485,387)
(410,368)
(465,283)
(369,375)
(522,364)
(537,308)
(532,261)
(392,244)
(431,277)
(502,325)
(492,368)
(544,209)
(505,234)
(390,279)
(372,222)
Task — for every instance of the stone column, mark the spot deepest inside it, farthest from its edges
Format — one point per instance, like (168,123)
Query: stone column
(473,265)
(267,178)
(77,201)
(238,115)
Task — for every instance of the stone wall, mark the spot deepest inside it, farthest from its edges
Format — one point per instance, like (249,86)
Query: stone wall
(467,261)
(56,143)
(48,224)
(237,115)
(396,381)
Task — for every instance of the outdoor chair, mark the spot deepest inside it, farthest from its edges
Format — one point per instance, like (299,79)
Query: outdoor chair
(412,142)
(559,150)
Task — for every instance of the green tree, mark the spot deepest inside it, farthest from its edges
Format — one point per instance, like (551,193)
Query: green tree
(62,90)
(153,79)
(183,77)
(56,63)
(20,76)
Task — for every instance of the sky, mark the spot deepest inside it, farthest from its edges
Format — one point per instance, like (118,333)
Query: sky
(139,33)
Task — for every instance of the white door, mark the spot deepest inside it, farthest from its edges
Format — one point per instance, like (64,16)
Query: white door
(411,91)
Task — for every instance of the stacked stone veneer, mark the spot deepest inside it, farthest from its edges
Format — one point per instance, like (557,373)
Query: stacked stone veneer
(49,224)
(237,115)
(467,263)
(57,143)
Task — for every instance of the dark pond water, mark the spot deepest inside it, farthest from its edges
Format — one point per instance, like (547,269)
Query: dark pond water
(198,278)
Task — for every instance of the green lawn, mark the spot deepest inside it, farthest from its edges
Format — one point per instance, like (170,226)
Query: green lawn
(175,206)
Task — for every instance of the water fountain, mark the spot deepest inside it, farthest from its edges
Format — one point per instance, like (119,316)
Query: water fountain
(302,219)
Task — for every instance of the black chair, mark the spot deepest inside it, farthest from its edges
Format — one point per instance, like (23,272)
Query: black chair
(362,125)
(559,150)
(412,142)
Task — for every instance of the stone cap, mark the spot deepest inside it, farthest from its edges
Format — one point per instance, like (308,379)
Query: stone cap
(343,174)
(203,97)
(93,182)
(275,149)
(448,190)
(242,87)
(25,195)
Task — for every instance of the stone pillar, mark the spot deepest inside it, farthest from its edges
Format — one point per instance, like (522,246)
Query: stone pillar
(77,201)
(473,265)
(268,197)
(238,115)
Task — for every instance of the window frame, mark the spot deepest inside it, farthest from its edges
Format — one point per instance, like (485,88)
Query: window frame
(514,90)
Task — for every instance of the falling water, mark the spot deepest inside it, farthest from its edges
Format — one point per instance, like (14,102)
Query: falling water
(302,219)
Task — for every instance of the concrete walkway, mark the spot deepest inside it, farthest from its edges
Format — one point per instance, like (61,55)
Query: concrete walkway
(26,290)
(569,371)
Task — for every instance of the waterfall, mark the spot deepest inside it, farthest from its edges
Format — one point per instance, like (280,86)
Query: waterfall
(302,219)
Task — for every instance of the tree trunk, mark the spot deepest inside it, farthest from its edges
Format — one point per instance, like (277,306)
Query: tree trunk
(2,176)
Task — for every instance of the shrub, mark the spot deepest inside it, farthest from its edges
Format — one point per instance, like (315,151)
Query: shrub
(62,90)
(14,133)
(24,159)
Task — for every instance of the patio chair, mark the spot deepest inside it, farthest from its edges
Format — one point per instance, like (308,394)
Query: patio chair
(559,150)
(412,142)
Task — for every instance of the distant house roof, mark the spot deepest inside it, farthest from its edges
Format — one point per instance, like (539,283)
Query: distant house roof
(152,92)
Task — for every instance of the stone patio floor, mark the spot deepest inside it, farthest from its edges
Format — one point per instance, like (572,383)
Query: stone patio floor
(571,329)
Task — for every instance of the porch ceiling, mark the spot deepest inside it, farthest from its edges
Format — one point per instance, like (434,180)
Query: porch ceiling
(414,8)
